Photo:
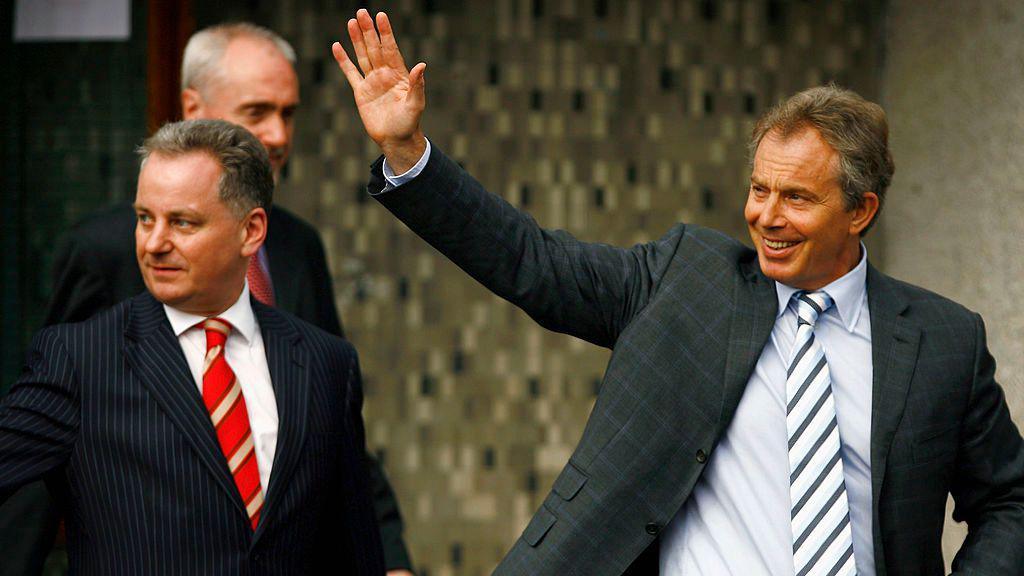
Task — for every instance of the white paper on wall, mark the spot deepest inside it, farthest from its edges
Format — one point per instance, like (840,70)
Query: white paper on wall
(72,20)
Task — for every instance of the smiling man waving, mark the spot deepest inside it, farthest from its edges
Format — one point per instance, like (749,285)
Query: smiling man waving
(783,410)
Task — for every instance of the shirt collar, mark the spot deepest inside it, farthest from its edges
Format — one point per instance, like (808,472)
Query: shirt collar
(239,315)
(848,292)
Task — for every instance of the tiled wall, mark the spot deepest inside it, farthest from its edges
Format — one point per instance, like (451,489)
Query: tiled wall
(611,119)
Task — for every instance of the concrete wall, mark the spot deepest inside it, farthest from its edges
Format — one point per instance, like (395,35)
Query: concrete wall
(954,90)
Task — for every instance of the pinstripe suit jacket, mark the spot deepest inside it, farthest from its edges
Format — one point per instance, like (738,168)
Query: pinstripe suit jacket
(110,408)
(687,317)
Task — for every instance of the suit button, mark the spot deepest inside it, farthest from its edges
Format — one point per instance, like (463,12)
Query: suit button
(701,456)
(652,528)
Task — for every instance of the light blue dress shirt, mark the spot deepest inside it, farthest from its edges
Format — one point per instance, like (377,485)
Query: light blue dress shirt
(737,520)
(394,181)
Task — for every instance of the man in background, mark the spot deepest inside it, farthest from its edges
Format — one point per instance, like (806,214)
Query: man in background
(244,74)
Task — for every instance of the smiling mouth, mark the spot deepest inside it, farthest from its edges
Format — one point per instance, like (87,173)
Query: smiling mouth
(778,244)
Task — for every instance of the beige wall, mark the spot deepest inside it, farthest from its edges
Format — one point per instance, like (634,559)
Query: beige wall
(954,90)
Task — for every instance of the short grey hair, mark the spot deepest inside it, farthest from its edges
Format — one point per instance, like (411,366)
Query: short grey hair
(199,65)
(246,180)
(854,127)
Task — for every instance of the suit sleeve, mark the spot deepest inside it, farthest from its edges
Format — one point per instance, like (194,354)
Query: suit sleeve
(389,518)
(80,287)
(989,483)
(327,312)
(366,506)
(39,417)
(591,291)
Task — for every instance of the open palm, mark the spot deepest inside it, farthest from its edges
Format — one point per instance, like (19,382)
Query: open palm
(390,98)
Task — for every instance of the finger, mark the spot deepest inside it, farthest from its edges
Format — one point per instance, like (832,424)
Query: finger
(346,65)
(389,47)
(359,46)
(417,86)
(370,38)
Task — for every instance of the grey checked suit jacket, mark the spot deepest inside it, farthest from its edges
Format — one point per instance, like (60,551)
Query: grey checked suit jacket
(109,409)
(687,317)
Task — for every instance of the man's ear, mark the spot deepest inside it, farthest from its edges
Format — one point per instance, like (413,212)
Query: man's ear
(253,231)
(192,105)
(864,213)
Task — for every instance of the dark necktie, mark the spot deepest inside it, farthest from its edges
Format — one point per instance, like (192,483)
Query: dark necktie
(259,281)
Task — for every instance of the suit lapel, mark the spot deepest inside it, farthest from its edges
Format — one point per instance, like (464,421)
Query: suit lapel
(155,355)
(894,346)
(289,375)
(282,263)
(753,317)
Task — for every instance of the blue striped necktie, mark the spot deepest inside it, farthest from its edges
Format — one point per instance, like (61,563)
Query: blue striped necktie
(820,509)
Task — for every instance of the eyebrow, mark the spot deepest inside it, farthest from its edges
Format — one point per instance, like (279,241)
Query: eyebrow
(790,188)
(257,105)
(173,214)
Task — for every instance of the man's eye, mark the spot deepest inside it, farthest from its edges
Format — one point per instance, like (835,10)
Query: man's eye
(145,218)
(181,223)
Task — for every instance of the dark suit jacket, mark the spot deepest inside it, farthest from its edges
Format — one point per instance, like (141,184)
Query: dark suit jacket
(687,317)
(111,407)
(95,268)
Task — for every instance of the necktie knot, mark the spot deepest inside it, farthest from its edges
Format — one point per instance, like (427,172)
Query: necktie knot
(217,331)
(810,305)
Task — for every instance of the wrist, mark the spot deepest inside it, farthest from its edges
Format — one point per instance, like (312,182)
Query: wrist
(403,154)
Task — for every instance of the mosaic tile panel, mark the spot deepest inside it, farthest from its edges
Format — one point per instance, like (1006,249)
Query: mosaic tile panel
(611,119)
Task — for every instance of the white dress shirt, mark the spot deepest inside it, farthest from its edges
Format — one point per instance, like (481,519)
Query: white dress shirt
(737,521)
(247,358)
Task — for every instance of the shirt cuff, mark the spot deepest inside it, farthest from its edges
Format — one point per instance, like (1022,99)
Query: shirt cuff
(394,181)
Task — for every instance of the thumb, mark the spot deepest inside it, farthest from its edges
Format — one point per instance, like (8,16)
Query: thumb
(417,86)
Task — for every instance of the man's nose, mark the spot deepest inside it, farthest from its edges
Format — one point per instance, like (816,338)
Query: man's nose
(274,132)
(771,213)
(156,240)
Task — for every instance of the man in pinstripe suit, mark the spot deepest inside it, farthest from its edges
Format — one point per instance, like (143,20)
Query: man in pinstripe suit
(244,74)
(195,430)
(782,410)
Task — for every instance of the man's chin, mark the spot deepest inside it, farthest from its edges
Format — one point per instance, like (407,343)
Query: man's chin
(775,271)
(164,296)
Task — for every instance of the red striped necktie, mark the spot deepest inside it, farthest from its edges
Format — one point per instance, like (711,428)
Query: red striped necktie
(259,280)
(222,395)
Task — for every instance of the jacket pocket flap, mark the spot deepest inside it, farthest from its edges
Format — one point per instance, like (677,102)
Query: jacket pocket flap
(569,482)
(542,521)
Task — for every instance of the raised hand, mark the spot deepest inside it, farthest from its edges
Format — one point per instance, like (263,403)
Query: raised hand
(390,98)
